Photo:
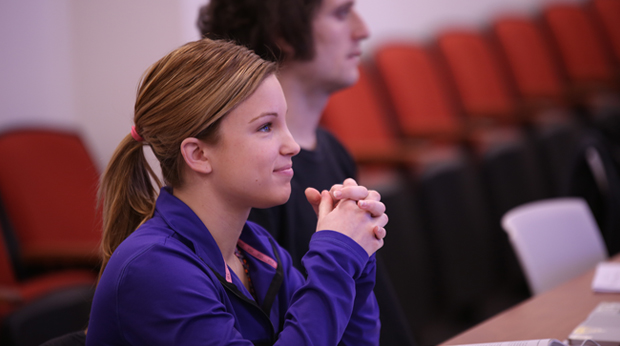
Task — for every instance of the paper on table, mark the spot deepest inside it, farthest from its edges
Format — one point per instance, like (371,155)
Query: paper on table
(540,342)
(602,325)
(607,278)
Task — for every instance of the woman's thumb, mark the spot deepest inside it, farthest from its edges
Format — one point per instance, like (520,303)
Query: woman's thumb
(314,198)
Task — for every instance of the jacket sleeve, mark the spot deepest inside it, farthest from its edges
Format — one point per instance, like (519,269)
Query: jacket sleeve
(322,305)
(365,326)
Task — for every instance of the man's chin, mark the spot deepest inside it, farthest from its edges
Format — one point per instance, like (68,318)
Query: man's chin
(345,83)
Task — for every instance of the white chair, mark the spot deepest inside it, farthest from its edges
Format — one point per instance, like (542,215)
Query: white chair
(555,240)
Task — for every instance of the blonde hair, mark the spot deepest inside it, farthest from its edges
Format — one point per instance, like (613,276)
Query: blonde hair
(185,94)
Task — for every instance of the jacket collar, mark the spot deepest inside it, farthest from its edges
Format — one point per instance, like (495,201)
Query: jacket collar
(182,220)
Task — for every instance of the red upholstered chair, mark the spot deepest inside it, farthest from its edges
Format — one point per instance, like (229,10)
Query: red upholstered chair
(15,294)
(358,117)
(424,106)
(508,159)
(607,13)
(44,306)
(581,48)
(479,77)
(531,61)
(536,71)
(418,92)
(48,185)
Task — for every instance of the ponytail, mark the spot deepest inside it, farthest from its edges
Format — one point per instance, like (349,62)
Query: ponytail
(127,194)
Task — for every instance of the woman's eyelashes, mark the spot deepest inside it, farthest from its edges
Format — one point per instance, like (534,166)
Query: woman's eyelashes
(266,127)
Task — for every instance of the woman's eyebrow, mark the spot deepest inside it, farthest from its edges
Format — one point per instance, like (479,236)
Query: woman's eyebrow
(266,114)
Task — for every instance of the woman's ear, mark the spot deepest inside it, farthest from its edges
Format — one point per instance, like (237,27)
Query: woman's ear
(194,153)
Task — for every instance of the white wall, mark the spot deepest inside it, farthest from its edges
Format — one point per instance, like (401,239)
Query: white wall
(419,20)
(36,63)
(115,42)
(76,63)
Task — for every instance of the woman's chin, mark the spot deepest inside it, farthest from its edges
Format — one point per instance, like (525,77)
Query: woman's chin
(275,201)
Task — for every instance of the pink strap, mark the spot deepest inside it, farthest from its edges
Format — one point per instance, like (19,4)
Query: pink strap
(135,134)
(228,277)
(257,254)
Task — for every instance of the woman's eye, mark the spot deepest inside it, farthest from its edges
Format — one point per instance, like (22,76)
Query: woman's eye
(266,127)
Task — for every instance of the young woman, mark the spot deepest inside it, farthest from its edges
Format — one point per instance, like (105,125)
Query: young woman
(185,267)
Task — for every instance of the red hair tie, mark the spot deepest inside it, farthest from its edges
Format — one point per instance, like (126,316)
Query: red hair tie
(135,134)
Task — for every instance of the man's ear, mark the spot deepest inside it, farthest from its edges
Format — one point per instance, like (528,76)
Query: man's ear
(286,48)
(194,153)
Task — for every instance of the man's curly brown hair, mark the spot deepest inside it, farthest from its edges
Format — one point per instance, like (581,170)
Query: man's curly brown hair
(261,24)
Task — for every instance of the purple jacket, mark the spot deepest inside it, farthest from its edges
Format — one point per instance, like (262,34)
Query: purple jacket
(167,284)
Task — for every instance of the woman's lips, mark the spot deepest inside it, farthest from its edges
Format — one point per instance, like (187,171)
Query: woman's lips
(285,170)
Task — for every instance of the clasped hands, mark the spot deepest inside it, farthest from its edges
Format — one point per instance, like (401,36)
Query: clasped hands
(352,210)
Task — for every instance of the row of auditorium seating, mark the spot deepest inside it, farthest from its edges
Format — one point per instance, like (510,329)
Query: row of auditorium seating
(456,131)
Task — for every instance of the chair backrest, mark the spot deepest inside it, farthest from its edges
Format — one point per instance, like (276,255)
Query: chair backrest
(48,183)
(608,12)
(7,274)
(529,58)
(594,174)
(359,118)
(462,243)
(478,75)
(555,240)
(418,92)
(579,44)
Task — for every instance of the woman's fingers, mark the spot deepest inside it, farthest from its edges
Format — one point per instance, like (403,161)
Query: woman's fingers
(349,189)
(374,195)
(380,232)
(349,182)
(355,193)
(326,204)
(379,229)
(375,208)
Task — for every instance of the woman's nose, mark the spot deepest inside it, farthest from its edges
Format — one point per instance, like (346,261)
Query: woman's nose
(289,146)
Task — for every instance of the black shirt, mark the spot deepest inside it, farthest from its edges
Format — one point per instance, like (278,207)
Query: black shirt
(293,223)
